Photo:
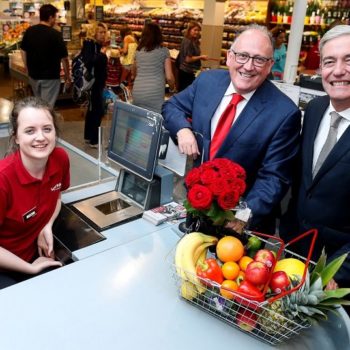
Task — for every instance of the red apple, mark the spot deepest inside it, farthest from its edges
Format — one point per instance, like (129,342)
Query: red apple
(279,281)
(257,273)
(246,319)
(266,257)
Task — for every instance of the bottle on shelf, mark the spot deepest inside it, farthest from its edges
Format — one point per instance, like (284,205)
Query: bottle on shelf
(279,17)
(318,17)
(290,13)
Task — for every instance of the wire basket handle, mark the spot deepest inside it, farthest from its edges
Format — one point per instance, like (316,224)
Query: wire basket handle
(314,234)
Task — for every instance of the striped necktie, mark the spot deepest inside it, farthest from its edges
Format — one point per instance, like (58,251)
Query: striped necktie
(331,140)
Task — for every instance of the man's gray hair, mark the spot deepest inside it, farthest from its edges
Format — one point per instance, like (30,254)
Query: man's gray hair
(333,33)
(258,27)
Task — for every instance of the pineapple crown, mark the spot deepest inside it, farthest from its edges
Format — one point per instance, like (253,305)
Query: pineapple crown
(312,300)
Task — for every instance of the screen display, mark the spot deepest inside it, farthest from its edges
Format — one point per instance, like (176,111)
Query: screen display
(134,141)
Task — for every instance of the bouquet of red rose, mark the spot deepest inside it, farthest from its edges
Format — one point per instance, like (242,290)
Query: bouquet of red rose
(214,189)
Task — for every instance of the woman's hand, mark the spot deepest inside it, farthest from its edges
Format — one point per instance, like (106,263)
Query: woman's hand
(45,242)
(43,263)
(203,57)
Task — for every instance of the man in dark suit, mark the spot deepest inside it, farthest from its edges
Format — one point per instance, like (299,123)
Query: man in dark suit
(264,136)
(321,196)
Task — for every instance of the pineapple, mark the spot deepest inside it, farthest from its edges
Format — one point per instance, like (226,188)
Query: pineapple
(311,302)
(273,320)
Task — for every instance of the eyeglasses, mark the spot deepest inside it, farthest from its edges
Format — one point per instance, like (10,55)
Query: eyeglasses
(242,58)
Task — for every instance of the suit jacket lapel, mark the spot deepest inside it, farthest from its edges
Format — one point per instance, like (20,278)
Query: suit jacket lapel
(247,116)
(340,148)
(310,128)
(213,102)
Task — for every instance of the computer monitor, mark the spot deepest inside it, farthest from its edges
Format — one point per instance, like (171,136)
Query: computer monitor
(135,139)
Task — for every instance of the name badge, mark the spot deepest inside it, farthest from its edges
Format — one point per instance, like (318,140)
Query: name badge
(29,214)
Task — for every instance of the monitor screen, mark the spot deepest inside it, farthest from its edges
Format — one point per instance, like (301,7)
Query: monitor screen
(135,138)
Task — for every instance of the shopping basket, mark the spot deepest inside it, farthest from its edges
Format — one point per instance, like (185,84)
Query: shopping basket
(255,318)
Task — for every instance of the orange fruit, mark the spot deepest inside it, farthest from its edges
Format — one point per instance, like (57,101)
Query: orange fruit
(244,261)
(230,270)
(229,248)
(232,285)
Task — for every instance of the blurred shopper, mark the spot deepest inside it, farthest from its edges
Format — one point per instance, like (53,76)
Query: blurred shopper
(127,52)
(189,60)
(43,50)
(239,115)
(312,61)
(114,69)
(322,187)
(32,176)
(94,56)
(152,70)
(279,53)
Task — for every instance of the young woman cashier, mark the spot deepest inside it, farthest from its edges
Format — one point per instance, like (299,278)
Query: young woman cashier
(32,176)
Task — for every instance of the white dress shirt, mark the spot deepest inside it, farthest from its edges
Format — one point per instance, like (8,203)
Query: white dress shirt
(224,103)
(323,130)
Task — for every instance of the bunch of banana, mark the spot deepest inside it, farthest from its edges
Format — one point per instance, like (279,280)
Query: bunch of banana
(191,250)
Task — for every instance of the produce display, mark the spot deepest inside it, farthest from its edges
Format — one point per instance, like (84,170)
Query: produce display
(12,33)
(255,284)
(173,20)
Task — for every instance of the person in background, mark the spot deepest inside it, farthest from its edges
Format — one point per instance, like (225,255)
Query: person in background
(114,69)
(189,60)
(127,52)
(312,60)
(152,70)
(264,135)
(94,56)
(32,176)
(279,53)
(43,50)
(320,196)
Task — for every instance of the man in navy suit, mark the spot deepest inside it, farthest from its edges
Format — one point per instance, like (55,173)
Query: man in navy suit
(321,197)
(264,136)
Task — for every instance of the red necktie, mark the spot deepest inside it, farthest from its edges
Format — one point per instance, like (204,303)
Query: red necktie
(224,124)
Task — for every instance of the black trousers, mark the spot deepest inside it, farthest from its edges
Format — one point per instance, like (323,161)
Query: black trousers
(185,79)
(94,115)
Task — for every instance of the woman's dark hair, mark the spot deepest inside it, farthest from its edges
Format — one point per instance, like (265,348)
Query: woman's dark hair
(151,37)
(27,102)
(278,32)
(46,11)
(124,31)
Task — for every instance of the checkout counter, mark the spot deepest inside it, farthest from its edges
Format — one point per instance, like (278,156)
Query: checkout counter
(119,293)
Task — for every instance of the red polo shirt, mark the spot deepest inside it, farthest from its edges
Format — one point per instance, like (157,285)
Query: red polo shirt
(26,203)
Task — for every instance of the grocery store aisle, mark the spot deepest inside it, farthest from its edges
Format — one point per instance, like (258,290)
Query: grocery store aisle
(5,82)
(71,115)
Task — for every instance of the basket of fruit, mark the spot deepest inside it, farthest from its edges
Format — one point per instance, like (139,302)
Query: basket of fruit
(266,291)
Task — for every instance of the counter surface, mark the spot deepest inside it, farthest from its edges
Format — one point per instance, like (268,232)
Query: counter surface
(115,236)
(125,297)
